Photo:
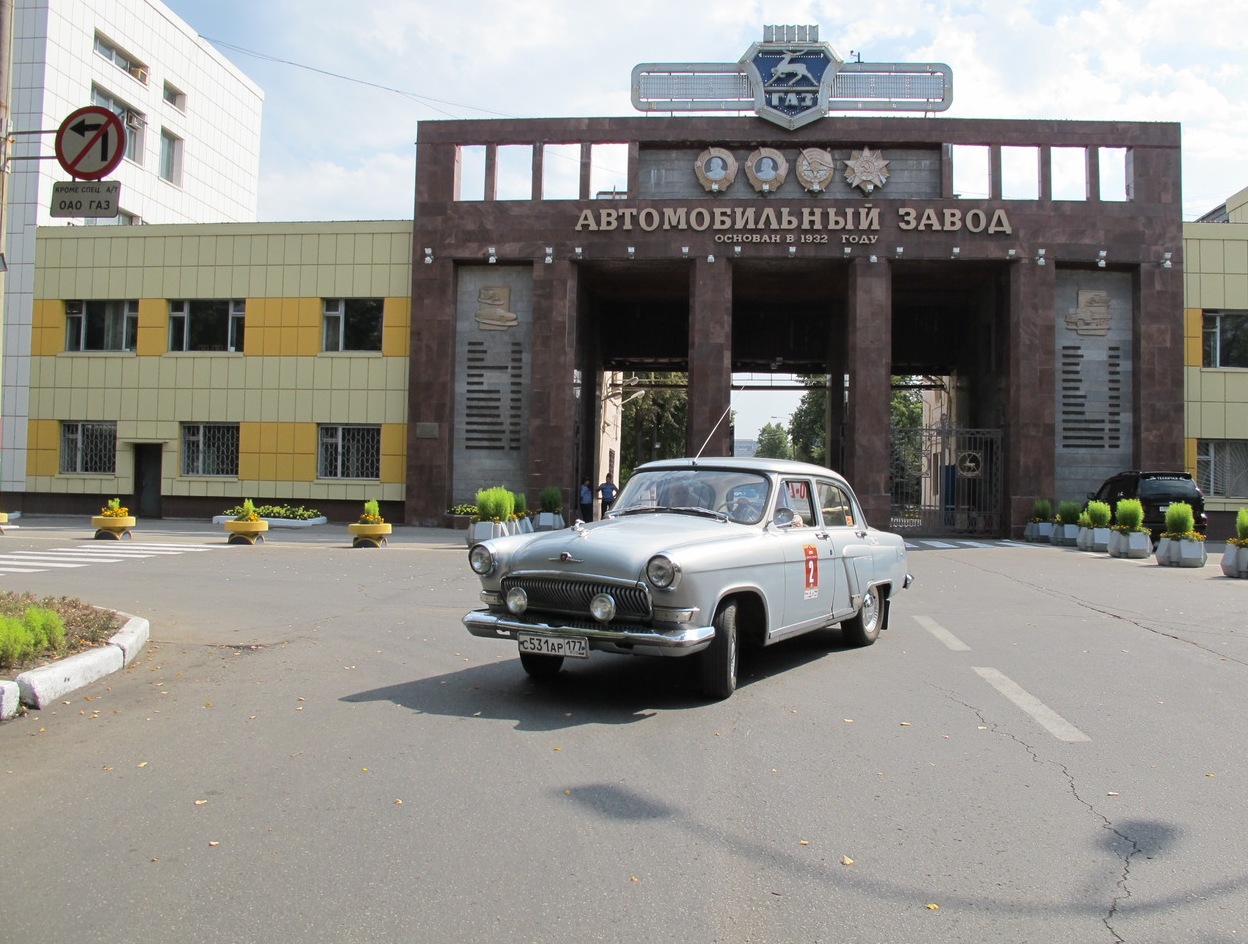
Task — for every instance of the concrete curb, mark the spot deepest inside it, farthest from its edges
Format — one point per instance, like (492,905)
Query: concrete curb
(40,687)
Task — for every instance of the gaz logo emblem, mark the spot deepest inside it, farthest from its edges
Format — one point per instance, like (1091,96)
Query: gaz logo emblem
(791,80)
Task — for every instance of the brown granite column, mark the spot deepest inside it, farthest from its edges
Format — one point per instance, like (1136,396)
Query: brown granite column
(869,364)
(710,356)
(552,405)
(1031,420)
(430,392)
(1158,385)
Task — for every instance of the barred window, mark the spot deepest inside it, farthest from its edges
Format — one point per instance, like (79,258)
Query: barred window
(353,324)
(206,325)
(210,449)
(350,452)
(89,447)
(1225,339)
(1222,467)
(101,325)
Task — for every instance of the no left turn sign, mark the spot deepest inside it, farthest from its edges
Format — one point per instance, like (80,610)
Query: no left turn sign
(90,143)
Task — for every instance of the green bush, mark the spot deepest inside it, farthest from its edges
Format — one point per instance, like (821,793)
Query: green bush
(464,508)
(495,504)
(552,500)
(1180,520)
(522,505)
(1068,512)
(1041,510)
(1099,514)
(37,631)
(1130,514)
(286,512)
(1085,520)
(1241,524)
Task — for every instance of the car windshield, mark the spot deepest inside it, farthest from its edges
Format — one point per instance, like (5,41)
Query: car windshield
(740,496)
(1168,489)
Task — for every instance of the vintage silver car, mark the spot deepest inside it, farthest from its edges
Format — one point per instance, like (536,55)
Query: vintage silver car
(695,557)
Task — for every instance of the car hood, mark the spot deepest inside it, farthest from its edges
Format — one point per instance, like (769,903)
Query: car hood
(619,546)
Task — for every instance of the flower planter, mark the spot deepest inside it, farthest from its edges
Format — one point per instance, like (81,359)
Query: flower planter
(1065,535)
(368,535)
(1235,561)
(246,532)
(1083,539)
(485,530)
(1100,539)
(549,521)
(112,527)
(4,519)
(1181,553)
(1132,544)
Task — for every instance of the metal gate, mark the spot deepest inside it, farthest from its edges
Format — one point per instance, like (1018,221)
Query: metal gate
(946,481)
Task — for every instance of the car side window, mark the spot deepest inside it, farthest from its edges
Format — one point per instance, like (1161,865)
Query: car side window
(835,506)
(796,495)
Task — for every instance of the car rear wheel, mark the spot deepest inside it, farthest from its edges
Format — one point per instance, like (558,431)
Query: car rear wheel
(541,667)
(864,628)
(719,660)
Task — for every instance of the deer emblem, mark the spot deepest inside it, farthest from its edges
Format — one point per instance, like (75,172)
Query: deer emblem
(786,66)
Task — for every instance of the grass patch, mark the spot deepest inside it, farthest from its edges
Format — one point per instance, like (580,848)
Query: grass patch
(86,627)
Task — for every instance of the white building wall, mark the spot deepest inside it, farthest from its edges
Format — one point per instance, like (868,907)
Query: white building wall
(54,69)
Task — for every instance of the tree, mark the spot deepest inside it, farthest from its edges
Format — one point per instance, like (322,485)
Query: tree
(654,423)
(773,443)
(807,424)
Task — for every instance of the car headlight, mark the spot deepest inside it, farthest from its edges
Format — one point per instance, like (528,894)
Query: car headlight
(481,560)
(517,601)
(602,606)
(662,571)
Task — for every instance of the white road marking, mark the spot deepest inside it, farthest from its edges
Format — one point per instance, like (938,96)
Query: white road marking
(948,638)
(1041,713)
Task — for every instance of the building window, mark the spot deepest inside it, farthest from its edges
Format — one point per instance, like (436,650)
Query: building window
(210,449)
(175,97)
(101,325)
(170,157)
(123,218)
(134,121)
(89,447)
(1226,339)
(206,325)
(121,59)
(350,452)
(353,324)
(1222,467)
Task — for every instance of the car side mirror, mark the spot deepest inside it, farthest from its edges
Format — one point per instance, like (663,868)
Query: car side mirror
(783,517)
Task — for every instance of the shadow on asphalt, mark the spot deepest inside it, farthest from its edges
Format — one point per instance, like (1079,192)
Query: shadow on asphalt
(605,689)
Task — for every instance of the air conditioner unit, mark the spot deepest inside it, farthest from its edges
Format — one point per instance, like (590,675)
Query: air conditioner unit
(139,73)
(134,120)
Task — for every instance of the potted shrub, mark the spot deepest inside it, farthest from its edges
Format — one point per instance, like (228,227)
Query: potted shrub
(550,518)
(1083,540)
(524,523)
(1235,558)
(1099,514)
(495,506)
(1181,545)
(113,522)
(247,527)
(1128,537)
(1040,527)
(1066,524)
(462,515)
(371,530)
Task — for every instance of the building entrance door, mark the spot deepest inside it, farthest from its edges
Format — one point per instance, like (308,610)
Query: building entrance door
(147,472)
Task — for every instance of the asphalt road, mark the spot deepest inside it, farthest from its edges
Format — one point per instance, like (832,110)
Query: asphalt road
(1046,746)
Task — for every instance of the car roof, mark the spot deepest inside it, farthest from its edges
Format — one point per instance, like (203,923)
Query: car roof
(743,464)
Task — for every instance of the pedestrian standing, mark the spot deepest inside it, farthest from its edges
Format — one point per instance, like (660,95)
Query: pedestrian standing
(607,492)
(587,500)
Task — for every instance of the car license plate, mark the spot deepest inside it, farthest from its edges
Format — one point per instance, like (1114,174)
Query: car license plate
(572,647)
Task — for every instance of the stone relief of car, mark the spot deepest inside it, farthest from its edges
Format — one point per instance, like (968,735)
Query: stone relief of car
(696,557)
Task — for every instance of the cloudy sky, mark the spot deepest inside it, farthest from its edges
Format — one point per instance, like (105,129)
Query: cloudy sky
(346,83)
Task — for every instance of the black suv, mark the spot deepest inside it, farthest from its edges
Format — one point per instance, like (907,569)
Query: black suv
(1155,490)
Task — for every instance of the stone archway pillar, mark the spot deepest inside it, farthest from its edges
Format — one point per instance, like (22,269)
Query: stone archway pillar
(710,357)
(869,363)
(1031,424)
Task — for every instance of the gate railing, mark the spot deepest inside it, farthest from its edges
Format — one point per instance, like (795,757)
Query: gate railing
(946,481)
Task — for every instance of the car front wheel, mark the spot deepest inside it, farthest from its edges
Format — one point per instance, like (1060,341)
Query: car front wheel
(864,628)
(719,660)
(541,667)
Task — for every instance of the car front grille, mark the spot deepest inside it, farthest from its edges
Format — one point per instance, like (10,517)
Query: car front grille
(571,597)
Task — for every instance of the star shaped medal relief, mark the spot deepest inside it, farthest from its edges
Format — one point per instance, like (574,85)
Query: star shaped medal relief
(866,169)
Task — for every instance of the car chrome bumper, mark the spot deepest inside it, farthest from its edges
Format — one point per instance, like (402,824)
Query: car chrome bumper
(676,642)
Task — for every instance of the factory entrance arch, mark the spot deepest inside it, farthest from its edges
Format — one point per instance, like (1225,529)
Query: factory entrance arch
(945,355)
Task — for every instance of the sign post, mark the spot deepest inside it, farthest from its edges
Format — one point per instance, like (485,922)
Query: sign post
(90,143)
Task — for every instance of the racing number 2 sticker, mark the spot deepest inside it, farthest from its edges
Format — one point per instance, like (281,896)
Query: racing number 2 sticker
(812,572)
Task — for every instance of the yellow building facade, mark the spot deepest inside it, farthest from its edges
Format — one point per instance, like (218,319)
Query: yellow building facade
(194,366)
(1216,359)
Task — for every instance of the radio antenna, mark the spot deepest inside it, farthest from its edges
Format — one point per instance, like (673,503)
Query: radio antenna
(712,432)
